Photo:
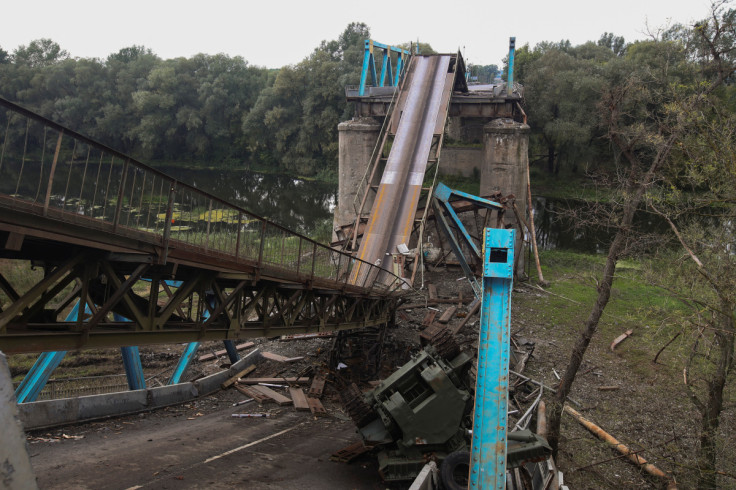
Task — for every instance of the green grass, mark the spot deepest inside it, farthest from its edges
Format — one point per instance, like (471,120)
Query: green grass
(634,304)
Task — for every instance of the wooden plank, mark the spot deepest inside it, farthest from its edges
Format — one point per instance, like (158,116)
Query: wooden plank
(255,381)
(429,318)
(251,393)
(299,398)
(274,357)
(471,313)
(318,410)
(448,315)
(432,289)
(242,373)
(318,386)
(222,352)
(277,397)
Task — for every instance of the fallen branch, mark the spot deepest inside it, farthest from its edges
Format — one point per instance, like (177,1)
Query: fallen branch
(665,346)
(622,448)
(621,338)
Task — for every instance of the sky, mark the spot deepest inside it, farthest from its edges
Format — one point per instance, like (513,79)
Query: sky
(274,33)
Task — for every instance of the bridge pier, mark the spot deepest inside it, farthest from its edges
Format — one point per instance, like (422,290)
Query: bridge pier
(357,141)
(505,160)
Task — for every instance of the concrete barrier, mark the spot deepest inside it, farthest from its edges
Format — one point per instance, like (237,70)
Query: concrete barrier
(212,383)
(64,411)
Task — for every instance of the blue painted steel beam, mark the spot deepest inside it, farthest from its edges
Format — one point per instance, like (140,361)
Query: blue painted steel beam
(47,362)
(490,419)
(184,361)
(510,79)
(132,362)
(387,74)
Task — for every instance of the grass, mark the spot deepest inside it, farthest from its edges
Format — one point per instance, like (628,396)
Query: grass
(634,304)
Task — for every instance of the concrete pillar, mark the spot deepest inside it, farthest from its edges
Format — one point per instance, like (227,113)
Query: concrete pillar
(15,465)
(357,140)
(505,160)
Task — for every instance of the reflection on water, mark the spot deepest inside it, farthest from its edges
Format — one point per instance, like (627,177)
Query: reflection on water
(296,204)
(556,229)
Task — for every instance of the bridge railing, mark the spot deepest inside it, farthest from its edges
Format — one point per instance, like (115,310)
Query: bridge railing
(49,171)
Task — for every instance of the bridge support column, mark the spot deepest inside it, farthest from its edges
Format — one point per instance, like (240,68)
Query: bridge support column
(505,160)
(15,465)
(357,140)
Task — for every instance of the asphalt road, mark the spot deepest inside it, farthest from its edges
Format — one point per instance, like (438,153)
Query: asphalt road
(202,446)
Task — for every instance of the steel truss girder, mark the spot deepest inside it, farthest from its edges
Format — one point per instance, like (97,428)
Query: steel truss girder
(206,305)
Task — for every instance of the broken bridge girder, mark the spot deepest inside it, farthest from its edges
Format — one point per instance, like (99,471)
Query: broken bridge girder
(199,305)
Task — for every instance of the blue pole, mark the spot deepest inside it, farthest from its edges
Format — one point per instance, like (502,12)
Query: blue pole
(490,419)
(510,79)
(132,362)
(186,358)
(47,362)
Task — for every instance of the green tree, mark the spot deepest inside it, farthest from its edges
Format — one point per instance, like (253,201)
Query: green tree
(39,52)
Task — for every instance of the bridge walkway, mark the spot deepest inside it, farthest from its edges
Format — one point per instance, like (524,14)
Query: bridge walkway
(123,238)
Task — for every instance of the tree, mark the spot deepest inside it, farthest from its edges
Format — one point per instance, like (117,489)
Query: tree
(617,44)
(39,53)
(4,57)
(642,108)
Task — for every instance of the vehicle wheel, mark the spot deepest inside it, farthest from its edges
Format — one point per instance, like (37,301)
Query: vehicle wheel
(455,471)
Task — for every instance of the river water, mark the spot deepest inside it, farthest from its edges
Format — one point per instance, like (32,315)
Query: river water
(303,206)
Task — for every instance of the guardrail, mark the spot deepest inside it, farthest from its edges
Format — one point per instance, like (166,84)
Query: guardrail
(51,171)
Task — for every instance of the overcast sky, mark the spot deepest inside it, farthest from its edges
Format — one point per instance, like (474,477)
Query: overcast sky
(274,33)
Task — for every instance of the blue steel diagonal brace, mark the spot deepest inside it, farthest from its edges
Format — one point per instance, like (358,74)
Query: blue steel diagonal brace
(442,202)
(39,374)
(490,419)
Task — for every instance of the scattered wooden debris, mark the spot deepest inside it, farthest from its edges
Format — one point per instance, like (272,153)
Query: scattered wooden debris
(349,453)
(299,398)
(303,336)
(432,289)
(429,318)
(318,386)
(622,448)
(448,315)
(242,373)
(608,388)
(471,313)
(277,397)
(318,410)
(222,352)
(403,316)
(250,392)
(621,338)
(274,357)
(255,381)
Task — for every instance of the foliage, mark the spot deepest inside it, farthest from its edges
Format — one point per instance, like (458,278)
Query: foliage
(206,108)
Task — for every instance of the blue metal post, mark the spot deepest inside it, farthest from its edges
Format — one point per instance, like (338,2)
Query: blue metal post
(47,362)
(186,358)
(132,362)
(490,419)
(510,79)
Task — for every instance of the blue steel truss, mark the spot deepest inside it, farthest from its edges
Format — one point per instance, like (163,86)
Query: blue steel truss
(388,77)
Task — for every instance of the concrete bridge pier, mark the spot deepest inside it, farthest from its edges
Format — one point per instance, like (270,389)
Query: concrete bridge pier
(357,140)
(505,160)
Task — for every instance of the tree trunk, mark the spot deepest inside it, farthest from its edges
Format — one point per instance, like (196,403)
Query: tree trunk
(711,409)
(554,410)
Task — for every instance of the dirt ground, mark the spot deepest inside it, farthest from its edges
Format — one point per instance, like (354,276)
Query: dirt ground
(199,444)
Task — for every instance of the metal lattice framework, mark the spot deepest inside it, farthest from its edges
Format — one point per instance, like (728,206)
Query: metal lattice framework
(181,265)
